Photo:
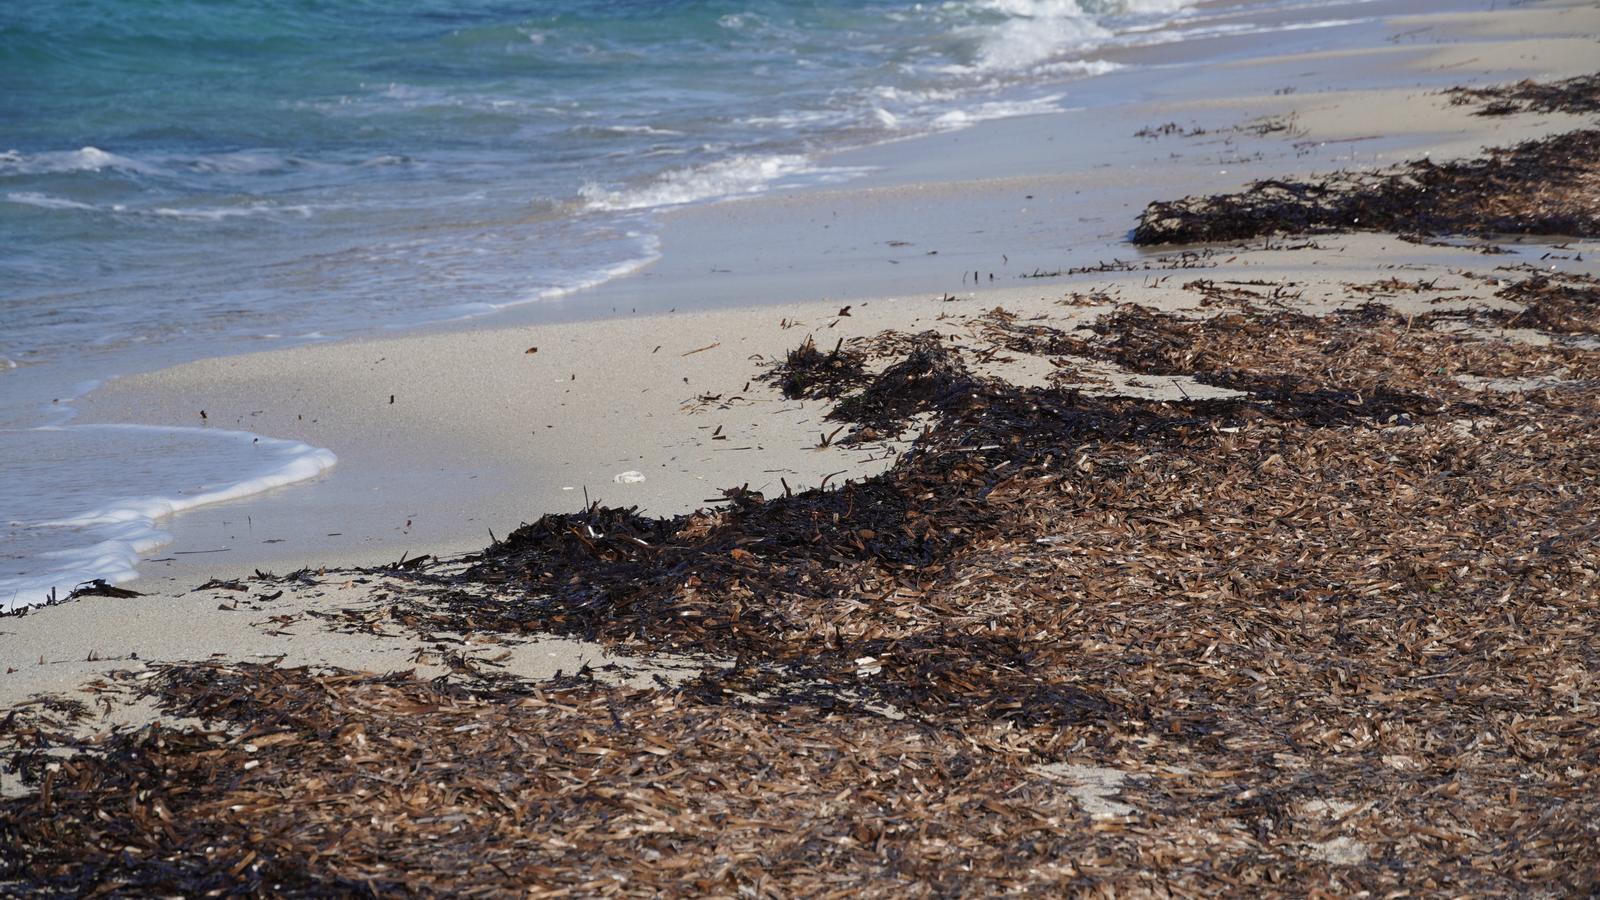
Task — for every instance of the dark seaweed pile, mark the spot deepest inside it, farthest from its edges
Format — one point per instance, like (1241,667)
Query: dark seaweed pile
(1579,95)
(808,372)
(1555,304)
(1541,187)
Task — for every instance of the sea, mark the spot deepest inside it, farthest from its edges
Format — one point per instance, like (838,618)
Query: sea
(188,178)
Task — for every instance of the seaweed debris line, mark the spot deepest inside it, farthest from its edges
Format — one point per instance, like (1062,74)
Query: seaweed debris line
(1539,187)
(1533,188)
(1332,630)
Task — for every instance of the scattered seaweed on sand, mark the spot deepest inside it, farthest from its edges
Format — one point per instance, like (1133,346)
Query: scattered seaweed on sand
(30,731)
(99,587)
(326,783)
(1260,126)
(1574,95)
(922,372)
(1560,305)
(1564,304)
(1546,186)
(928,376)
(1366,361)
(808,373)
(1302,649)
(1169,129)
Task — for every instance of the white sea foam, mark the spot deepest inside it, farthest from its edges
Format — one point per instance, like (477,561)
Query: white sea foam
(218,213)
(88,159)
(609,130)
(1204,32)
(1029,36)
(45,201)
(387,98)
(733,177)
(1034,32)
(239,162)
(189,213)
(118,534)
(620,270)
(796,119)
(649,252)
(1163,7)
(1000,109)
(1079,67)
(891,94)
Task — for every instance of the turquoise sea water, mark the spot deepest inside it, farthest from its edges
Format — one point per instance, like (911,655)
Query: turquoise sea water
(185,178)
(193,169)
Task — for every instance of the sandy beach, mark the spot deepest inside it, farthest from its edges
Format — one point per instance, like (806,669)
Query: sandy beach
(662,393)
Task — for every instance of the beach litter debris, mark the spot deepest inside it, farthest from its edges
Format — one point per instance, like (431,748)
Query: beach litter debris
(628,477)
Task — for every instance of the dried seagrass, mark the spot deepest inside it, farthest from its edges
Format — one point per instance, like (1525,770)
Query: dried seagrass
(1574,95)
(1539,187)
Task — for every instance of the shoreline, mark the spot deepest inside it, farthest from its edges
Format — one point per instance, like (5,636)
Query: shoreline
(484,435)
(711,264)
(877,215)
(725,405)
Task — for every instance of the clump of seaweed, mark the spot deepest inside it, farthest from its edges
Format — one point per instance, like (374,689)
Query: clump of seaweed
(808,373)
(929,375)
(1564,304)
(1548,186)
(31,730)
(1573,95)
